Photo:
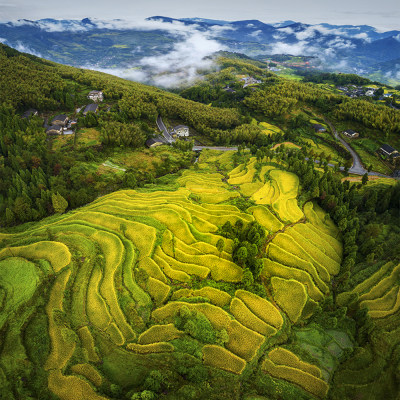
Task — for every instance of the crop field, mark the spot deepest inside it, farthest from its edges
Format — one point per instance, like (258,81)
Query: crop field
(136,277)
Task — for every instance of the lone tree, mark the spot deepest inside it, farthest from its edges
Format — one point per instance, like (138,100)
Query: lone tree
(59,203)
(364,179)
(220,246)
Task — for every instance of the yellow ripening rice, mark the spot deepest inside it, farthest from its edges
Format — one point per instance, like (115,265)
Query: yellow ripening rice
(188,249)
(159,333)
(115,334)
(243,341)
(168,243)
(317,239)
(112,249)
(281,256)
(221,269)
(218,217)
(240,168)
(142,236)
(281,356)
(317,217)
(219,357)
(158,290)
(152,269)
(308,382)
(287,242)
(266,194)
(245,177)
(248,189)
(219,318)
(272,268)
(89,372)
(383,306)
(56,253)
(202,225)
(215,198)
(182,293)
(264,170)
(216,296)
(62,345)
(138,208)
(71,387)
(248,319)
(96,307)
(334,242)
(382,286)
(386,313)
(88,343)
(331,265)
(265,218)
(260,307)
(290,295)
(365,285)
(187,267)
(160,347)
(173,274)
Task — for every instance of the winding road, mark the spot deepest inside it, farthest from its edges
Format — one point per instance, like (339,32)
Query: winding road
(164,130)
(357,167)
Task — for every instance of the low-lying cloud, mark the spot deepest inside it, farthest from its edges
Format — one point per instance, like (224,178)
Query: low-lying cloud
(178,67)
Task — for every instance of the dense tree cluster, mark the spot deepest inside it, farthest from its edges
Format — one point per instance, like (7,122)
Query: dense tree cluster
(370,115)
(338,79)
(247,246)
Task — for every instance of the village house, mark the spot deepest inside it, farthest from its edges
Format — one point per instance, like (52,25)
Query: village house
(228,89)
(61,119)
(90,108)
(248,80)
(29,113)
(96,95)
(389,151)
(351,134)
(156,141)
(54,130)
(319,128)
(181,130)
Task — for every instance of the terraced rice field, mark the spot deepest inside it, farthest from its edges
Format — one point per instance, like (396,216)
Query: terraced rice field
(120,270)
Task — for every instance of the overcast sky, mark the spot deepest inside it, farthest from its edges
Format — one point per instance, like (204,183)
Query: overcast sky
(383,14)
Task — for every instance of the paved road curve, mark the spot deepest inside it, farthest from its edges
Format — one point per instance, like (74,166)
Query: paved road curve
(199,148)
(163,129)
(357,167)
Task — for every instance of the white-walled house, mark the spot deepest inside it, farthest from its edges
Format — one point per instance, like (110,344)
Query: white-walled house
(96,95)
(181,130)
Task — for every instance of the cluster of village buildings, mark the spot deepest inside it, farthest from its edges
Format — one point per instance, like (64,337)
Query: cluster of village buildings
(354,91)
(61,124)
(385,150)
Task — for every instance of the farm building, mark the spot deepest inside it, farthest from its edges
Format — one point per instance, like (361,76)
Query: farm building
(29,113)
(61,119)
(181,130)
(389,151)
(154,142)
(96,95)
(90,108)
(319,128)
(54,130)
(351,134)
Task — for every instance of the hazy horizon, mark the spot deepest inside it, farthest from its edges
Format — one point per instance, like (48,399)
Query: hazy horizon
(383,15)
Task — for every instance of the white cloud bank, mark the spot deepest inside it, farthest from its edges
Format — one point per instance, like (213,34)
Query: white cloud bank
(178,67)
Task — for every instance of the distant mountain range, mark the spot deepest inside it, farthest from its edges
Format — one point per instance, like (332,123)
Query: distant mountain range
(122,44)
